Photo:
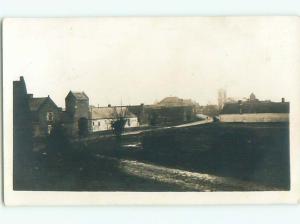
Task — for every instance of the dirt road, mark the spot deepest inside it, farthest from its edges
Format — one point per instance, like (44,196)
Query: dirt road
(188,181)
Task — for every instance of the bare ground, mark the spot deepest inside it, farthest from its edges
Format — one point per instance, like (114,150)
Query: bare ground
(189,181)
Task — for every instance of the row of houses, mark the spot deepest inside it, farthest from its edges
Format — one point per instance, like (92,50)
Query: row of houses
(78,114)
(41,113)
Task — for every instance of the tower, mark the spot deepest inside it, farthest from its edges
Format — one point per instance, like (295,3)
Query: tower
(221,98)
(77,107)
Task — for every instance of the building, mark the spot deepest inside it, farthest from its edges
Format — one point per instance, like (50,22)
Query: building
(208,110)
(22,127)
(170,111)
(222,98)
(40,114)
(33,115)
(44,114)
(76,115)
(140,111)
(101,118)
(254,110)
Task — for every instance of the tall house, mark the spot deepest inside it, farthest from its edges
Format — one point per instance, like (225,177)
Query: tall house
(221,98)
(77,107)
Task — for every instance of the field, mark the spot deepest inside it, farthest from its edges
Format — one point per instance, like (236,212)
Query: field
(209,157)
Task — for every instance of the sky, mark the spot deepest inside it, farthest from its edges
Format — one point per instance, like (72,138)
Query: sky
(142,60)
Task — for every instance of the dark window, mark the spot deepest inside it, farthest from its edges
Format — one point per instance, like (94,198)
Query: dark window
(50,116)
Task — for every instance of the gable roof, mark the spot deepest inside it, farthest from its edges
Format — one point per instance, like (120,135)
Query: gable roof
(78,95)
(175,101)
(36,103)
(110,112)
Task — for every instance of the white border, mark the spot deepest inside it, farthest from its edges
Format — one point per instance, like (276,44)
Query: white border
(154,198)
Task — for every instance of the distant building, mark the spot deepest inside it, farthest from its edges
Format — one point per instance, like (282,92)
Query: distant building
(222,98)
(171,110)
(252,97)
(140,111)
(208,110)
(175,102)
(254,110)
(101,118)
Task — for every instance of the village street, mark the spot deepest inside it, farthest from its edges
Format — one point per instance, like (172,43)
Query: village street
(195,123)
(138,132)
(187,181)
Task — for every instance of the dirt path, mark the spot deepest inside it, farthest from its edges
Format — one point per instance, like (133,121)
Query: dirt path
(188,181)
(195,123)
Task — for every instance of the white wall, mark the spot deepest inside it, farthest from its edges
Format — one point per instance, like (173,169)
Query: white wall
(105,124)
(132,123)
(101,125)
(260,117)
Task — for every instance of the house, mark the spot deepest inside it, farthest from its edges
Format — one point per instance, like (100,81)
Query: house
(171,110)
(101,118)
(44,114)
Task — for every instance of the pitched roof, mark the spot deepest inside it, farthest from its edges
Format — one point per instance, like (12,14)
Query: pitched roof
(78,95)
(35,103)
(110,112)
(175,101)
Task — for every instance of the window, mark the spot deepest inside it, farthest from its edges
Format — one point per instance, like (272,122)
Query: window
(50,116)
(93,123)
(49,129)
(128,122)
(99,123)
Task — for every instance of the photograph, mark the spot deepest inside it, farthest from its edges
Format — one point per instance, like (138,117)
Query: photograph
(150,104)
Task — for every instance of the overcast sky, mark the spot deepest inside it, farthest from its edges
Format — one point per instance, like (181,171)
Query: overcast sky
(140,60)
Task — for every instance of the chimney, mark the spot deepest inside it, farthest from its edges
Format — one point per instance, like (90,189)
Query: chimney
(282,100)
(109,105)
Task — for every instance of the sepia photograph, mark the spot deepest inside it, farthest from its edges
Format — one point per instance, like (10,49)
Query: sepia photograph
(151,104)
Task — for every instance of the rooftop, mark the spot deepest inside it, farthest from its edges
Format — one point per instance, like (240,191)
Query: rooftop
(110,112)
(78,95)
(35,103)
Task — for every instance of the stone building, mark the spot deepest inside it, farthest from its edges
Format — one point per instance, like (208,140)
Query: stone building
(44,114)
(76,114)
(33,115)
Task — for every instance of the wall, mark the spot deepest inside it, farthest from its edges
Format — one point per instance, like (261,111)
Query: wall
(105,124)
(259,117)
(40,128)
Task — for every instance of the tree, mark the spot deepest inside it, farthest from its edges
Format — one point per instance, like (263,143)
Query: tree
(118,124)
